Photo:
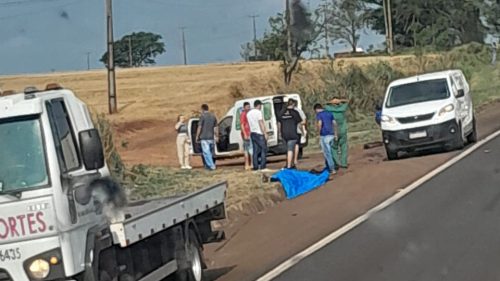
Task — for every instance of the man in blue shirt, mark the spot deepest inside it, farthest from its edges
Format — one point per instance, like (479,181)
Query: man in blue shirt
(327,131)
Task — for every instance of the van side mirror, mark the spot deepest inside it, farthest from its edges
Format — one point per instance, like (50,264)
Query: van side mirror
(91,149)
(460,93)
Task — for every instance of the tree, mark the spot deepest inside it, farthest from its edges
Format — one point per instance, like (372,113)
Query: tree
(274,44)
(347,20)
(439,23)
(136,49)
(492,14)
(301,33)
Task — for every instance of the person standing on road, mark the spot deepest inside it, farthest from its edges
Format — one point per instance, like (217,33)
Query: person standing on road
(301,131)
(339,107)
(289,120)
(325,124)
(182,142)
(245,135)
(207,135)
(258,135)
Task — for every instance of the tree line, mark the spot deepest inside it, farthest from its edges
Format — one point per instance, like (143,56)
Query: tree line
(438,24)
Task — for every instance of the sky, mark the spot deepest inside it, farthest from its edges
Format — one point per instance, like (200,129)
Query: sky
(39,36)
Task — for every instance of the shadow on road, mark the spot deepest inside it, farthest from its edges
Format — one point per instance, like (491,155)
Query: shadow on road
(214,274)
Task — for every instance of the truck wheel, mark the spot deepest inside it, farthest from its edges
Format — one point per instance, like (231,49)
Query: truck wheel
(194,258)
(472,137)
(391,155)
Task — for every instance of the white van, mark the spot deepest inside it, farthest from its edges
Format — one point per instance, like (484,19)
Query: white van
(428,111)
(230,141)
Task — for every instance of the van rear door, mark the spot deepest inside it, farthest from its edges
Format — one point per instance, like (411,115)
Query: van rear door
(271,121)
(194,147)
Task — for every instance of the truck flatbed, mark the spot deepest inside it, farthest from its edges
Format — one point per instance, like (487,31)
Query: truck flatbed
(146,218)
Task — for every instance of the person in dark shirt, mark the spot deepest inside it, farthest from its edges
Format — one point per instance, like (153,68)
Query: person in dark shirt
(325,123)
(289,120)
(207,136)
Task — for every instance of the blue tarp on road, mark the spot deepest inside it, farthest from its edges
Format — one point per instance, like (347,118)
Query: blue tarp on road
(296,183)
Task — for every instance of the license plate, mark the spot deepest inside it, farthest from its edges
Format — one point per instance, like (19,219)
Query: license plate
(10,254)
(418,135)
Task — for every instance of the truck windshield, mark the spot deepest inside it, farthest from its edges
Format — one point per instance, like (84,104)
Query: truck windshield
(423,91)
(22,155)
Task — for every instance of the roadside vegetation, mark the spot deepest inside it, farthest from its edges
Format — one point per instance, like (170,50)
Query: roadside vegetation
(363,85)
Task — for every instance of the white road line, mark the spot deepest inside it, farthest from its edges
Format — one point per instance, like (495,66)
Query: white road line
(346,228)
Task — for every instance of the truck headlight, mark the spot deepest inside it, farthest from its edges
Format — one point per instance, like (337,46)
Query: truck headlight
(39,268)
(446,109)
(387,119)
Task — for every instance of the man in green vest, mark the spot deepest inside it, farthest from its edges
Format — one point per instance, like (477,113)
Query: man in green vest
(339,107)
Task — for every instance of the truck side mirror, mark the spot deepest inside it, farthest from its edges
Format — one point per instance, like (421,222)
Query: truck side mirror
(460,93)
(91,149)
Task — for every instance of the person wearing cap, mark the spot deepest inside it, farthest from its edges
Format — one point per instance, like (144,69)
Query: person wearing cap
(338,108)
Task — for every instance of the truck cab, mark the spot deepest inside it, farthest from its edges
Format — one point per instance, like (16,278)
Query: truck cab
(230,141)
(52,227)
(433,110)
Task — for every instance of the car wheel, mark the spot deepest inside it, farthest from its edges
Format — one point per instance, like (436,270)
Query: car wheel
(472,137)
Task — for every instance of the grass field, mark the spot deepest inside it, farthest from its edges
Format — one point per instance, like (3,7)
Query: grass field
(151,98)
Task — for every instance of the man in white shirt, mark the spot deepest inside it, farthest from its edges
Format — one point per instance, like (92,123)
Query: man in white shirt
(258,135)
(301,131)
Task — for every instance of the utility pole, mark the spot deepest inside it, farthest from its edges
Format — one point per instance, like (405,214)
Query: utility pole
(325,14)
(288,20)
(88,60)
(111,59)
(254,35)
(130,51)
(388,25)
(184,44)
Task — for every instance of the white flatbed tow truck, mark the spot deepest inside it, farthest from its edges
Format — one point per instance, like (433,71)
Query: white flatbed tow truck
(53,226)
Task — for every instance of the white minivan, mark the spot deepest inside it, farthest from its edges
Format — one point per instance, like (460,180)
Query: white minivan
(230,141)
(428,111)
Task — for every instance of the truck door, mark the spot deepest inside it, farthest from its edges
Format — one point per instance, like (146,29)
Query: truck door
(69,160)
(271,121)
(225,129)
(194,146)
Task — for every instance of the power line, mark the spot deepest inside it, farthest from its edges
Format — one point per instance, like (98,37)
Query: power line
(38,11)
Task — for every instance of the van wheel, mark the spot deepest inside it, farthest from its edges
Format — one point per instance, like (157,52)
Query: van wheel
(472,137)
(195,260)
(391,155)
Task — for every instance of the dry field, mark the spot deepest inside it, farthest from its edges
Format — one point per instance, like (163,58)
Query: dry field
(151,98)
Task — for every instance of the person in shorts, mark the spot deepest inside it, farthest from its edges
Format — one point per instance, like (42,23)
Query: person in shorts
(289,120)
(245,136)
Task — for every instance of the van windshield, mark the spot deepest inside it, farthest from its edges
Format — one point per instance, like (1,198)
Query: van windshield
(22,157)
(423,91)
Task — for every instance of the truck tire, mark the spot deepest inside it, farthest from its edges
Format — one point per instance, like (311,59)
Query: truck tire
(391,155)
(195,261)
(472,137)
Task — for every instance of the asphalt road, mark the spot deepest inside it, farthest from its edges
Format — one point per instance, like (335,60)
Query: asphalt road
(447,229)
